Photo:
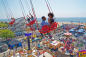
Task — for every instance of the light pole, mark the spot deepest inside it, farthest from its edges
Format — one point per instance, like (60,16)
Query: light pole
(28,38)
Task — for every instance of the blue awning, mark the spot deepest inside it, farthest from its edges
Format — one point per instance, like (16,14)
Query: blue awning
(28,34)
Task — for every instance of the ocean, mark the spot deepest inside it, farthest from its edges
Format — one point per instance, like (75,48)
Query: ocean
(71,19)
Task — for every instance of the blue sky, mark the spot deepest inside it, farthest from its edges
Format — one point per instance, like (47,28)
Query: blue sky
(61,8)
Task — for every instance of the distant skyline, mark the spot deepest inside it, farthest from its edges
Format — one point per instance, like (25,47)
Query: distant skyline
(61,8)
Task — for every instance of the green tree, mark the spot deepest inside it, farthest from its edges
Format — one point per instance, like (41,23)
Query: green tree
(3,24)
(5,34)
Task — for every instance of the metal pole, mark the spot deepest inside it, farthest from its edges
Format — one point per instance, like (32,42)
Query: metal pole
(28,43)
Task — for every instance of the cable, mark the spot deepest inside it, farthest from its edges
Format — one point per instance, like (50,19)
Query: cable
(5,8)
(22,7)
(10,11)
(33,11)
(49,5)
(28,7)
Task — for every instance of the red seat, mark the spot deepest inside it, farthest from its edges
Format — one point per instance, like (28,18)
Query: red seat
(45,29)
(31,22)
(53,26)
(12,22)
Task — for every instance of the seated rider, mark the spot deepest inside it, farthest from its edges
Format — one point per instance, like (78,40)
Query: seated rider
(31,17)
(44,21)
(13,19)
(50,19)
(28,18)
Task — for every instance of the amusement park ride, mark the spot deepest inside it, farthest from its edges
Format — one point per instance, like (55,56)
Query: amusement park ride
(30,31)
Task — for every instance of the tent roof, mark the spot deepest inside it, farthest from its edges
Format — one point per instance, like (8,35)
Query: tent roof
(72,30)
(13,42)
(1,43)
(81,30)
